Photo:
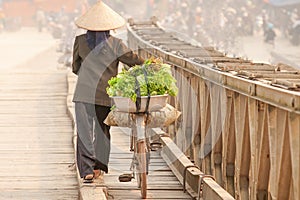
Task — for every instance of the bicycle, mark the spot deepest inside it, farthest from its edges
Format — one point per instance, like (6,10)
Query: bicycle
(140,140)
(140,146)
(140,143)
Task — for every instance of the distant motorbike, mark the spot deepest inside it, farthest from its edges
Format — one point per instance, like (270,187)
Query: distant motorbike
(65,47)
(66,58)
(294,33)
(56,30)
(269,34)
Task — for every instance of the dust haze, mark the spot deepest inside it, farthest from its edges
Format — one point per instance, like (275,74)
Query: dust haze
(260,30)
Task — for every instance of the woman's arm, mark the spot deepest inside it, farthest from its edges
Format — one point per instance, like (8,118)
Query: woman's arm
(127,56)
(76,58)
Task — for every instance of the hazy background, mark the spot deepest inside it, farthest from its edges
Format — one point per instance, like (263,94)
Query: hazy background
(237,27)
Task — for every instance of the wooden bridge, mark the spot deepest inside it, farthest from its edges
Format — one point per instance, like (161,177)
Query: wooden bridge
(36,149)
(240,120)
(237,137)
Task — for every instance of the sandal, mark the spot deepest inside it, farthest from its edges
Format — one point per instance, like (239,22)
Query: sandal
(88,178)
(125,177)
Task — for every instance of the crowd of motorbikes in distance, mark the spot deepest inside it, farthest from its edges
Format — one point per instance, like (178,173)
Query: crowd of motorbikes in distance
(63,28)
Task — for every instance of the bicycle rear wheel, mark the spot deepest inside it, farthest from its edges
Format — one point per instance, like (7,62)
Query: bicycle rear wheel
(142,168)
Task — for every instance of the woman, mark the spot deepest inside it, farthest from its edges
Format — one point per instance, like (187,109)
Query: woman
(96,56)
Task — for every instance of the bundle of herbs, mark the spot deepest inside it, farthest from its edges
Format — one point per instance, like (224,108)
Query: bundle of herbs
(159,78)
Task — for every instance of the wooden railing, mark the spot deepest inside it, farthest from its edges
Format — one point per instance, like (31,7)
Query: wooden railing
(240,120)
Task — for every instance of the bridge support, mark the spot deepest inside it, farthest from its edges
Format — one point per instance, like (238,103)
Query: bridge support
(180,164)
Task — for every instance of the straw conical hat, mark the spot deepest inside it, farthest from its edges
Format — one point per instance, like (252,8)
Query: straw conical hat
(100,17)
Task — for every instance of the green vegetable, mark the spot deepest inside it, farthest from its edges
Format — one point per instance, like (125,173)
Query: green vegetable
(160,81)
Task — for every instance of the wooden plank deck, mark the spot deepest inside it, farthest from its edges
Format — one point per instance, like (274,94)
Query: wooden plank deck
(162,183)
(36,151)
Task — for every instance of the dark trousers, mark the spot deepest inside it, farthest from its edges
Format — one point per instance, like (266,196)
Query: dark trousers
(93,138)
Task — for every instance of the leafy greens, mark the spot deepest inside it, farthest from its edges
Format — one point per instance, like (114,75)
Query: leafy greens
(159,75)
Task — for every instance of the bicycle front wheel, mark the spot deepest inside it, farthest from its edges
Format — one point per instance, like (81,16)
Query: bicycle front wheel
(142,169)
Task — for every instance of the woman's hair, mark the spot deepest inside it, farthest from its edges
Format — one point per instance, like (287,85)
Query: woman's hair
(96,39)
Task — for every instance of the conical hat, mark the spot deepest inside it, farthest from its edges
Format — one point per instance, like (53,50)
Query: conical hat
(100,17)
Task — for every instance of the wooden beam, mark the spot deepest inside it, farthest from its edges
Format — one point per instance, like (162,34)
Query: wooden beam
(294,136)
(178,162)
(229,146)
(263,158)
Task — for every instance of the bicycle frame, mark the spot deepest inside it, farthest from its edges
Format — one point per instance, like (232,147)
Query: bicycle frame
(140,146)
